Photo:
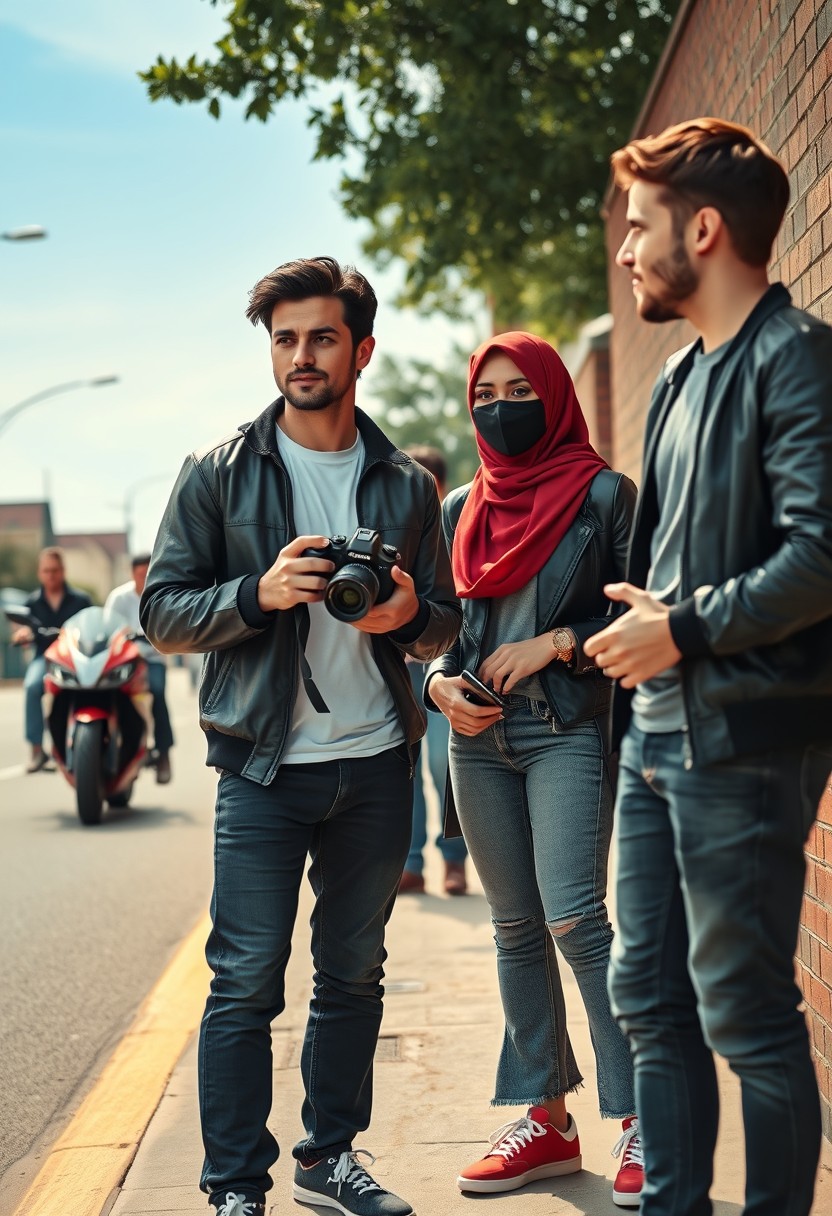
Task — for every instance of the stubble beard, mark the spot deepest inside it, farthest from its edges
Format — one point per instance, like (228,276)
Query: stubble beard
(321,397)
(681,281)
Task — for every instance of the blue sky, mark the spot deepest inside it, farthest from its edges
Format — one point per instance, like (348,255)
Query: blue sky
(160,220)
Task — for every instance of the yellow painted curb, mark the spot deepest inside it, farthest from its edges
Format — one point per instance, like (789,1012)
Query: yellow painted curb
(93,1155)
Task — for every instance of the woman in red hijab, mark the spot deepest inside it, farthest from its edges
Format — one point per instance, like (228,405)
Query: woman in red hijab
(533,539)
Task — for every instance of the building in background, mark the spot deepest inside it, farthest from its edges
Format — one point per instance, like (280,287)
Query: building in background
(95,561)
(766,64)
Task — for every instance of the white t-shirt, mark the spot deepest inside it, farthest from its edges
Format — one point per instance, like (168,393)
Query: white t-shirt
(122,607)
(362,720)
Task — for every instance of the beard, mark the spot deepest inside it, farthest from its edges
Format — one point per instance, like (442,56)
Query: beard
(319,397)
(680,280)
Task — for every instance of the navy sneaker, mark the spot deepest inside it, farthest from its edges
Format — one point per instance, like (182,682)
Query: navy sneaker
(343,1184)
(230,1203)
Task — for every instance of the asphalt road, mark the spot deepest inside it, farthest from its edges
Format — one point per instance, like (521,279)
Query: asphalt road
(89,918)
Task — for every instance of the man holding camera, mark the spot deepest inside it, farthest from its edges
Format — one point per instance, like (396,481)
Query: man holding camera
(311,721)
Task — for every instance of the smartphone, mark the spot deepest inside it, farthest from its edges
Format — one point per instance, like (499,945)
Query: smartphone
(480,693)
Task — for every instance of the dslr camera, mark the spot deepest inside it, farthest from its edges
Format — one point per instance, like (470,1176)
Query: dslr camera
(362,576)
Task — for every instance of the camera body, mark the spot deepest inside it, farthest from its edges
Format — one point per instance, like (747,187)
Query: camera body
(363,574)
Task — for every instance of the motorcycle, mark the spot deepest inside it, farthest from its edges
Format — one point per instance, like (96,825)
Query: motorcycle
(97,706)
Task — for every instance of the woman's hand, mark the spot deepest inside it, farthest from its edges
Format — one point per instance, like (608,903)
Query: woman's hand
(515,661)
(466,718)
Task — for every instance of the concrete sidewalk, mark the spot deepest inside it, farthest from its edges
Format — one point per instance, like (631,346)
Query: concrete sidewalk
(434,1071)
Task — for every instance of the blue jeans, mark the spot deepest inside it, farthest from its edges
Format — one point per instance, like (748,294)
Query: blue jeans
(710,883)
(353,819)
(162,729)
(434,761)
(536,809)
(32,693)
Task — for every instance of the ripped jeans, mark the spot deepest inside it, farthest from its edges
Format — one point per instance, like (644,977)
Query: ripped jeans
(536,810)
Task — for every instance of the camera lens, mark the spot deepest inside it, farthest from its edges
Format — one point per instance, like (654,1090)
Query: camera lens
(351,592)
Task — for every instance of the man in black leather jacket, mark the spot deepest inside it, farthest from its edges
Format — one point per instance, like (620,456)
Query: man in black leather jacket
(311,721)
(726,652)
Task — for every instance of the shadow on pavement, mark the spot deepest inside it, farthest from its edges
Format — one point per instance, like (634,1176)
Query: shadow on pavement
(124,819)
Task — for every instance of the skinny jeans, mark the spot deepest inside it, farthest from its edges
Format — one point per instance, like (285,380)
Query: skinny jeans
(535,805)
(709,889)
(351,818)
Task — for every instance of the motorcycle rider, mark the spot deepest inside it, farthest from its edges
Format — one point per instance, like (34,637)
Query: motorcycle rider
(122,604)
(53,604)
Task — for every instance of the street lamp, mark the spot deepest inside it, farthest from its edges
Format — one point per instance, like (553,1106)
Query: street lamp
(29,232)
(96,381)
(130,494)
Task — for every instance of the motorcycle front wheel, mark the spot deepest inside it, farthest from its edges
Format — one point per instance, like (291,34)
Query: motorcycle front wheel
(122,798)
(87,753)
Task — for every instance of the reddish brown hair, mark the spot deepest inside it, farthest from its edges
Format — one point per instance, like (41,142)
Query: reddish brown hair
(707,162)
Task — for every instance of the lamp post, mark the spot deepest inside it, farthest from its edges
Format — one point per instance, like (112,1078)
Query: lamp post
(28,232)
(127,504)
(12,412)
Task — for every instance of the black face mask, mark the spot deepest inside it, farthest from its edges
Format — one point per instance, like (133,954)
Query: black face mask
(511,427)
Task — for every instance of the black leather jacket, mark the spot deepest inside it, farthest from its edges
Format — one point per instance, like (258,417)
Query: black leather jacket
(229,515)
(569,592)
(755,621)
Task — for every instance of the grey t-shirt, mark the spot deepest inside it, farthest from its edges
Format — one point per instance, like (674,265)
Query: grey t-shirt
(362,720)
(658,706)
(513,618)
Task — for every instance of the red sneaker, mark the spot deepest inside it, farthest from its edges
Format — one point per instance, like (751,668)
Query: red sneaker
(626,1190)
(522,1151)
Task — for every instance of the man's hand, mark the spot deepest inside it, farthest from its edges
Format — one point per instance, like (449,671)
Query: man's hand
(637,645)
(514,661)
(448,692)
(22,636)
(294,579)
(399,610)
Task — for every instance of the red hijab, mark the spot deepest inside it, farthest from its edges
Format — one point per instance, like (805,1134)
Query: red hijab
(519,507)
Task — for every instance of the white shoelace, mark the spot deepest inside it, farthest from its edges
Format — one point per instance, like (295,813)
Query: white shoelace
(348,1170)
(512,1137)
(236,1205)
(630,1145)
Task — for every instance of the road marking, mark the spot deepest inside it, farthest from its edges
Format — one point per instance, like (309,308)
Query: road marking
(88,1163)
(16,770)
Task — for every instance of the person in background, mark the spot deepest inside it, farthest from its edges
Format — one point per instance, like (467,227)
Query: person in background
(544,524)
(123,605)
(724,664)
(433,763)
(53,605)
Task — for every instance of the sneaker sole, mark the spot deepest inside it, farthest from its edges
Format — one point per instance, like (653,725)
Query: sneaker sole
(490,1187)
(626,1199)
(301,1195)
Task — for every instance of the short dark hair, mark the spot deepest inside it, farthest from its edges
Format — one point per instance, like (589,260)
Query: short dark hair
(708,162)
(139,559)
(429,458)
(307,277)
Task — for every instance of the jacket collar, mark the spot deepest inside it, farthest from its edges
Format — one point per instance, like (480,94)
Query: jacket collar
(261,438)
(776,297)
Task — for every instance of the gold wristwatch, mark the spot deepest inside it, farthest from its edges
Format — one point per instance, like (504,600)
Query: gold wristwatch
(563,644)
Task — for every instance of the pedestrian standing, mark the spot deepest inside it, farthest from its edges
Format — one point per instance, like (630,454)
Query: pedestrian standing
(544,524)
(433,758)
(311,721)
(724,665)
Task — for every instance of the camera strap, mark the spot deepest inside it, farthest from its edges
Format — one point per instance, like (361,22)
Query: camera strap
(312,690)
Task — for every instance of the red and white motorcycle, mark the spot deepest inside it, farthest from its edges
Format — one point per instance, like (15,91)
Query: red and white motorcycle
(97,706)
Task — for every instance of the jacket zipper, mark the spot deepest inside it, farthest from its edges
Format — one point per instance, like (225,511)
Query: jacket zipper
(687,733)
(376,657)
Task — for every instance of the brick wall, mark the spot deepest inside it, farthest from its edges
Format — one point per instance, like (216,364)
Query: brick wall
(768,64)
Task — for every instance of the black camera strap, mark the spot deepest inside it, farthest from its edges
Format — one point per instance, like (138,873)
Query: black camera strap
(312,691)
